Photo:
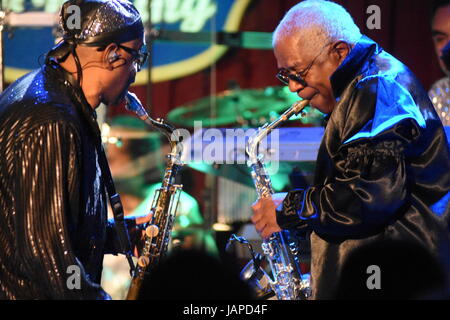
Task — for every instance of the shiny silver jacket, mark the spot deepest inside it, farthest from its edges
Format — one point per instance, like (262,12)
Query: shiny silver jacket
(53,215)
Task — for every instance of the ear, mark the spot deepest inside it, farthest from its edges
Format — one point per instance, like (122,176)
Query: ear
(340,50)
(110,56)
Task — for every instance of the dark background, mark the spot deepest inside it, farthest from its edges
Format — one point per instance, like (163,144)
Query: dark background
(405,33)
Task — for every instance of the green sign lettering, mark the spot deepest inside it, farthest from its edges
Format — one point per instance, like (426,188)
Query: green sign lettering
(191,14)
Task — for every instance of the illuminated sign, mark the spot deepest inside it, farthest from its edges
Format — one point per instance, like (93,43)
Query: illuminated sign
(26,47)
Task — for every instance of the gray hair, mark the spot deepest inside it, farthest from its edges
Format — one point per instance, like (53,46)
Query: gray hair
(318,22)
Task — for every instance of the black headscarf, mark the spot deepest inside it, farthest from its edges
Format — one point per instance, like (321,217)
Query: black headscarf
(100,23)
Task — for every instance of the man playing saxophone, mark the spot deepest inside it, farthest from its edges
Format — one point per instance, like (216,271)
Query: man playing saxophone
(54,173)
(383,168)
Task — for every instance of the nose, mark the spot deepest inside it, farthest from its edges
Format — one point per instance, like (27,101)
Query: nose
(295,86)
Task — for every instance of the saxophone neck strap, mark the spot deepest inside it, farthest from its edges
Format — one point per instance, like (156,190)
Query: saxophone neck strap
(117,208)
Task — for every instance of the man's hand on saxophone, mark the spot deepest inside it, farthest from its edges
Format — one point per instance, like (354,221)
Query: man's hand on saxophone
(138,240)
(264,215)
(144,219)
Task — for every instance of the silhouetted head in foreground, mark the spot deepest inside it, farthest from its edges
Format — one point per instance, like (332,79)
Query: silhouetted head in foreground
(194,275)
(392,270)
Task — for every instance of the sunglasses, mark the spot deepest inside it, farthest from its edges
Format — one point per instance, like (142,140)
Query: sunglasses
(139,56)
(299,77)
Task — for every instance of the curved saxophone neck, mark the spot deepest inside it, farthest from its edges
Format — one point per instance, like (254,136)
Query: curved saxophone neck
(254,141)
(169,131)
(176,146)
(252,147)
(173,137)
(295,109)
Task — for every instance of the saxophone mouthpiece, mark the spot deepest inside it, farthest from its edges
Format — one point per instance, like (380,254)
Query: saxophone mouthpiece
(133,104)
(299,106)
(306,94)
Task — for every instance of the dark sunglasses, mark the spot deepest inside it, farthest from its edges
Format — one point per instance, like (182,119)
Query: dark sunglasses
(139,56)
(284,75)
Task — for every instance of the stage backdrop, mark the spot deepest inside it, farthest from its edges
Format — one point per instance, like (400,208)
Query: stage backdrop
(182,72)
(405,33)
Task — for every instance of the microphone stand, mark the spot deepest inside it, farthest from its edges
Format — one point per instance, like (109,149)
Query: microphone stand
(149,40)
(2,64)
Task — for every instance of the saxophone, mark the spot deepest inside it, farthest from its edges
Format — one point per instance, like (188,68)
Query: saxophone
(164,205)
(280,250)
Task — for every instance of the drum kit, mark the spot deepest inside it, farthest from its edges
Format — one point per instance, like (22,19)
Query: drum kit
(240,108)
(245,109)
(248,109)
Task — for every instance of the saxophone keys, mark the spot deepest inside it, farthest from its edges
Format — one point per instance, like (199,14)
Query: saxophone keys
(143,261)
(152,231)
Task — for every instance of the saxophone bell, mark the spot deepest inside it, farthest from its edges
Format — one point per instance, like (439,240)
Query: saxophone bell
(253,273)
(257,278)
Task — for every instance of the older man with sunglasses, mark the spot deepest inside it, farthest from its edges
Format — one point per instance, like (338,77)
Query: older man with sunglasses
(383,168)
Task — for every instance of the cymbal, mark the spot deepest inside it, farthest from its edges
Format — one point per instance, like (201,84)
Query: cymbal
(236,172)
(239,106)
(241,173)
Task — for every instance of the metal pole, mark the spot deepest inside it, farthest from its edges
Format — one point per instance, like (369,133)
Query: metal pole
(149,41)
(212,218)
(2,65)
